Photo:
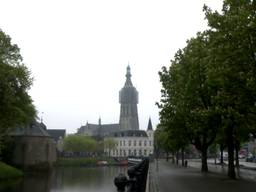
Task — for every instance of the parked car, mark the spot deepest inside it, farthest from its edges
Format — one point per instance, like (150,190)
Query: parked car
(241,156)
(250,158)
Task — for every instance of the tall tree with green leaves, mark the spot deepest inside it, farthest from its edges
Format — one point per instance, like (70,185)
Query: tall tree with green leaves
(233,69)
(16,107)
(187,103)
(109,144)
(172,124)
(79,143)
(203,118)
(163,142)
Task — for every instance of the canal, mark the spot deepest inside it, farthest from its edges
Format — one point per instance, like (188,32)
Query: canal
(67,179)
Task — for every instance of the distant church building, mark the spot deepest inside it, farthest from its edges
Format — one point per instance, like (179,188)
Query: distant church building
(99,130)
(129,139)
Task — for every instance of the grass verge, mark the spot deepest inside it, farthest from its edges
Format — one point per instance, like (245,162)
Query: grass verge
(8,172)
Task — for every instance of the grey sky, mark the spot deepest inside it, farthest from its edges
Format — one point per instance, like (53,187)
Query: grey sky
(78,50)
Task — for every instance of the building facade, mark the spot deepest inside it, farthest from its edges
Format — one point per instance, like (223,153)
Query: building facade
(133,142)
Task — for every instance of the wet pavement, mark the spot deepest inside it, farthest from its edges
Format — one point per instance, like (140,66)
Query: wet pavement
(247,170)
(174,178)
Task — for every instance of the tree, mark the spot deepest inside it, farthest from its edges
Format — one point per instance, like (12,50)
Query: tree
(187,104)
(204,119)
(16,108)
(172,130)
(162,142)
(233,67)
(211,83)
(109,144)
(79,143)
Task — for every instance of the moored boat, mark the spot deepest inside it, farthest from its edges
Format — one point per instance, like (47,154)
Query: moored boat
(134,160)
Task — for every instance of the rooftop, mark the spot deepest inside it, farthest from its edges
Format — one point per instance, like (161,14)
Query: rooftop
(130,133)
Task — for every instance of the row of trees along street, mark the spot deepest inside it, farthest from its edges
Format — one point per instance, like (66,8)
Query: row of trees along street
(209,90)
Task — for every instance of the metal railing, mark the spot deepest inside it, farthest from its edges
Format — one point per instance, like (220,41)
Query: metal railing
(137,178)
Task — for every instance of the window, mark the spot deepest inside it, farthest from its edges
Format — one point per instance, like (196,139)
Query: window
(129,142)
(140,152)
(145,152)
(150,143)
(134,143)
(139,143)
(124,142)
(134,152)
(145,143)
(129,152)
(120,143)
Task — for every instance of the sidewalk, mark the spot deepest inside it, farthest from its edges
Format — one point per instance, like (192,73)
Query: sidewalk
(173,178)
(247,170)
(242,162)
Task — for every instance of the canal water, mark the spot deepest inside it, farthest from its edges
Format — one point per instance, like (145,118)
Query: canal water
(67,179)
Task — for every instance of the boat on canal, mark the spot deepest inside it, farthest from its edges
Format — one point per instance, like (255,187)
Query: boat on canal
(132,160)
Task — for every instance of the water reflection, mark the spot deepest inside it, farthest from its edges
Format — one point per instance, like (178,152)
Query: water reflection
(68,179)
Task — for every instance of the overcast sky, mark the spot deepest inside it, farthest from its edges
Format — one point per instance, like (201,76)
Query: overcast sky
(78,51)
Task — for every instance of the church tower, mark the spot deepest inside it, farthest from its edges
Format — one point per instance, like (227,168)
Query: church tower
(128,98)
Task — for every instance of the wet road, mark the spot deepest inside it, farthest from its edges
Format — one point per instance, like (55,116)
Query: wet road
(172,178)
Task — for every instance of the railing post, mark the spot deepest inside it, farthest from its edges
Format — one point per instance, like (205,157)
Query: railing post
(132,179)
(120,182)
(137,178)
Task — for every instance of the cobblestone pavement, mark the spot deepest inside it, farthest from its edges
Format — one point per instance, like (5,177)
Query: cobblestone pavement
(172,178)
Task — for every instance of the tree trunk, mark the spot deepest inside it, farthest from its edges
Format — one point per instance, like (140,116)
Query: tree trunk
(204,167)
(215,158)
(177,157)
(237,154)
(221,153)
(167,156)
(182,157)
(157,154)
(231,147)
(173,157)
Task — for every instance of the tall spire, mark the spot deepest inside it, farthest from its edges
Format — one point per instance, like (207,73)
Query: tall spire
(149,125)
(99,121)
(128,98)
(128,82)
